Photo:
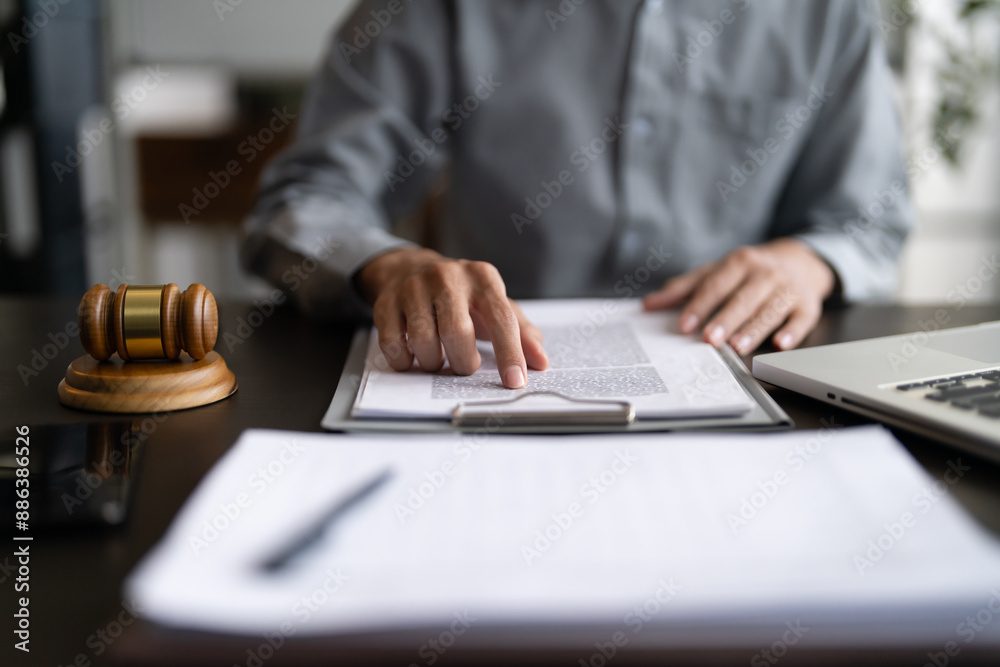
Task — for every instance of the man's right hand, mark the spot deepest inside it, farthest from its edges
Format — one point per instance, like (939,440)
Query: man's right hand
(423,301)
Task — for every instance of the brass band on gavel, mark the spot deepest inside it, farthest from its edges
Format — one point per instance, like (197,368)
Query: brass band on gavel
(142,325)
(148,321)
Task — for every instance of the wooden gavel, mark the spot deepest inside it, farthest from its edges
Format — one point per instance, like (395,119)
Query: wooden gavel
(148,321)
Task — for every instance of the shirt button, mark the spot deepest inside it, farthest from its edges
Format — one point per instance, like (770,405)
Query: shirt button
(655,6)
(642,127)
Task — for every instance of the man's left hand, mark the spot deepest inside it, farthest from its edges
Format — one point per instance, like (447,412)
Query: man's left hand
(753,291)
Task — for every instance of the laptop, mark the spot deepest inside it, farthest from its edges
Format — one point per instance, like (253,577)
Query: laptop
(944,384)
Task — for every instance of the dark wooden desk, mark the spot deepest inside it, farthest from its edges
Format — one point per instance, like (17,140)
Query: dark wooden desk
(287,370)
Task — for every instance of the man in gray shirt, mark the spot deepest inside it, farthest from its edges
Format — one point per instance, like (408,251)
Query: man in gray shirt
(739,158)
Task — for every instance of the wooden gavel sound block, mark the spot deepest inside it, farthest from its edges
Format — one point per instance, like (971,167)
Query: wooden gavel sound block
(163,339)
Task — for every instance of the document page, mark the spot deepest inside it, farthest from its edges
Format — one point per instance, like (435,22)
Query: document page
(722,533)
(598,350)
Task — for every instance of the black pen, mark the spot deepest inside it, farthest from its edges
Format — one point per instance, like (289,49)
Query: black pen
(304,542)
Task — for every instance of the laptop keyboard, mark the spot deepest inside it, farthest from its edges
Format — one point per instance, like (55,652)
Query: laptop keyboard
(977,391)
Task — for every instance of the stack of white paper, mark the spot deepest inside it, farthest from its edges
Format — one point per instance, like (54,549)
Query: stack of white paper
(838,528)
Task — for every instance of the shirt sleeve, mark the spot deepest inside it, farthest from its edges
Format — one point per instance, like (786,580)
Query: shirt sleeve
(848,197)
(369,145)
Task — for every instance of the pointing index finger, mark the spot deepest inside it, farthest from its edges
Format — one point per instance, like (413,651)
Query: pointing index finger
(505,334)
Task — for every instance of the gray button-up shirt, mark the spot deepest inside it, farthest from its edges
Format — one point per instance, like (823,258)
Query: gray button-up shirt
(590,147)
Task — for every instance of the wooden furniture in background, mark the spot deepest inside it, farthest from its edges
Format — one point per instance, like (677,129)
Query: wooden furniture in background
(176,173)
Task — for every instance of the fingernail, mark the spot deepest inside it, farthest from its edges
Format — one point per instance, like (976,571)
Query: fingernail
(513,377)
(716,335)
(742,343)
(689,323)
(785,341)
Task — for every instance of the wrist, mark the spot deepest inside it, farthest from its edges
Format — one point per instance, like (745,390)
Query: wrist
(820,275)
(391,267)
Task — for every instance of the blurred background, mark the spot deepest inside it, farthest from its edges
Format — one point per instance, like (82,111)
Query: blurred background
(132,134)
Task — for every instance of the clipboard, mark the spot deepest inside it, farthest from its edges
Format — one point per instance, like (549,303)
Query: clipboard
(603,416)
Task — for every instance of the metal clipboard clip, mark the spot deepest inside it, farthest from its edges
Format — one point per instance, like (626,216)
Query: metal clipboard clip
(478,413)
